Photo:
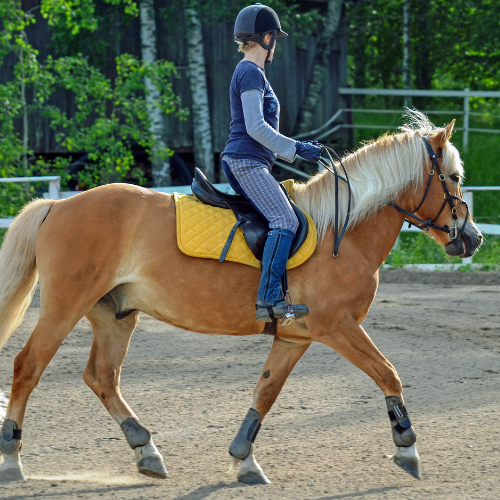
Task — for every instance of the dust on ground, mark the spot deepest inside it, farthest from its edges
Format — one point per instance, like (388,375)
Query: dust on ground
(328,434)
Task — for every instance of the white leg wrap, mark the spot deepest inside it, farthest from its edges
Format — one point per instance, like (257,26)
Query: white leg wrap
(149,461)
(11,469)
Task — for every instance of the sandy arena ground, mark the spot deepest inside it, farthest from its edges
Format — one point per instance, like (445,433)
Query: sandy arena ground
(328,434)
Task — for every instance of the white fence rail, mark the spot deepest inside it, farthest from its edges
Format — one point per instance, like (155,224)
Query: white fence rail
(54,190)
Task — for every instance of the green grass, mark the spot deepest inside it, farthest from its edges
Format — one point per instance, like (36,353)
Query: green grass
(413,248)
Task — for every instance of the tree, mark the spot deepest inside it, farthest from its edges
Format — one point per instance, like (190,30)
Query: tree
(452,43)
(110,112)
(422,58)
(406,50)
(161,163)
(202,129)
(318,71)
(14,151)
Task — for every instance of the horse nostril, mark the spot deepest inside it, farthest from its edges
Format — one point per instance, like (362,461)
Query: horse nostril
(479,240)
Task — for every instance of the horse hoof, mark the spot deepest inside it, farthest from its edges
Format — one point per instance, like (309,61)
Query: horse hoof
(11,475)
(409,460)
(409,465)
(152,466)
(253,477)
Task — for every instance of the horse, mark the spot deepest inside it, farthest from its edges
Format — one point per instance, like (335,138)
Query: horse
(111,253)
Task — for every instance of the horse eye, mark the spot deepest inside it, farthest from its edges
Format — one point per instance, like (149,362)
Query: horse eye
(455,178)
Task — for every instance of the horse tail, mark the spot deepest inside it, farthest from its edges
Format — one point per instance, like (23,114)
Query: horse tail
(18,272)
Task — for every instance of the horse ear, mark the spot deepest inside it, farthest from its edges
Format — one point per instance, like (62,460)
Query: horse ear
(449,129)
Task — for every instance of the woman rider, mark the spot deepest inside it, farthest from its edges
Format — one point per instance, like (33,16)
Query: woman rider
(253,145)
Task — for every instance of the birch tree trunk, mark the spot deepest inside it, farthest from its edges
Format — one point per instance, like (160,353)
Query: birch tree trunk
(406,51)
(161,167)
(318,71)
(202,130)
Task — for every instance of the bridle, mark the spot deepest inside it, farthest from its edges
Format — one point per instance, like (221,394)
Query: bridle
(421,224)
(425,225)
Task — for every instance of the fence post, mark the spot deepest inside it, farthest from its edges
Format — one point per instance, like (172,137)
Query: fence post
(466,120)
(54,188)
(469,199)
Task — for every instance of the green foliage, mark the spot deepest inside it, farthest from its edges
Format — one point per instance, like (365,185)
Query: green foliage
(110,113)
(418,249)
(456,41)
(78,15)
(14,150)
(295,18)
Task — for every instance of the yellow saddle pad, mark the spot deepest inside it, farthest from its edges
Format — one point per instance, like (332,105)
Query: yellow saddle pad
(202,231)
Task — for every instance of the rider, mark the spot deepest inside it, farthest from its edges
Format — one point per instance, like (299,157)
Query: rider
(253,145)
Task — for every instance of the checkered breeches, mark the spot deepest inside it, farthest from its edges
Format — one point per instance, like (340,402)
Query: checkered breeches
(262,189)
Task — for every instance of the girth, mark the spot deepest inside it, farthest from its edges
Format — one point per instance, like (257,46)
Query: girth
(254,226)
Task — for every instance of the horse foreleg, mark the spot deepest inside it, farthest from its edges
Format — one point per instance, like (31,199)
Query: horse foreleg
(280,362)
(102,375)
(352,342)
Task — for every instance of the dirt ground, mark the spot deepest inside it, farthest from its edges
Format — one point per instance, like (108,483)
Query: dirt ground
(326,437)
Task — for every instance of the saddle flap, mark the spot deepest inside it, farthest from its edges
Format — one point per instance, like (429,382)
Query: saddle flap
(253,225)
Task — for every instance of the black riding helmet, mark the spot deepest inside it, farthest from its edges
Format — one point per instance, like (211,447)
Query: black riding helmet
(256,21)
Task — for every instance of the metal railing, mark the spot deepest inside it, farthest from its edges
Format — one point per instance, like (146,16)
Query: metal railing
(323,131)
(466,94)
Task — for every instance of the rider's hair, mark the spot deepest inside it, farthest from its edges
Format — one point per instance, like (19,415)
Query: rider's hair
(244,46)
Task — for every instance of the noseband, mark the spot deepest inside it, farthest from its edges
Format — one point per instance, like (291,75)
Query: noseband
(425,225)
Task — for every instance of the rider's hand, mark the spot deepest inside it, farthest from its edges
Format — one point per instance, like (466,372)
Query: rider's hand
(309,150)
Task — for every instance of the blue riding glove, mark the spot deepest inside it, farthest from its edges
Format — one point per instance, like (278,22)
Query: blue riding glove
(309,150)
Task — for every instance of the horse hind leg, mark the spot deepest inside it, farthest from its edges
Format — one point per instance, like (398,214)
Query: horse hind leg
(29,366)
(102,374)
(280,362)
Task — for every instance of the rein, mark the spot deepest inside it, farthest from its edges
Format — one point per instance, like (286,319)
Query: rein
(336,237)
(425,225)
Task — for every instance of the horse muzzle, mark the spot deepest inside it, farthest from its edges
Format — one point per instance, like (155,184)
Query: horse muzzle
(466,243)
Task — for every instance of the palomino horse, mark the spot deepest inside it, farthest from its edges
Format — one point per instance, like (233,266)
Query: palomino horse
(111,252)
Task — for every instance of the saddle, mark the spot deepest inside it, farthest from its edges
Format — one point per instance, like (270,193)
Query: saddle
(254,226)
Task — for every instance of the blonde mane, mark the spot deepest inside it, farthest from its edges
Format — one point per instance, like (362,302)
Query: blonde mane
(379,172)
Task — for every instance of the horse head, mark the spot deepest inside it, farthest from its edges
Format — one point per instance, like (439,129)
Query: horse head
(441,209)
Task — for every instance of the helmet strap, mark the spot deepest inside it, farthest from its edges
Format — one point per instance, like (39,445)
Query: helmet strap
(268,46)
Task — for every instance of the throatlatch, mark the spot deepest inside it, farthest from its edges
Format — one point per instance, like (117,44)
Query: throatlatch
(402,431)
(242,443)
(11,434)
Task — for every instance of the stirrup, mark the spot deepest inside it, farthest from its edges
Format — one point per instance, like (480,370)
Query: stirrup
(289,312)
(282,310)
